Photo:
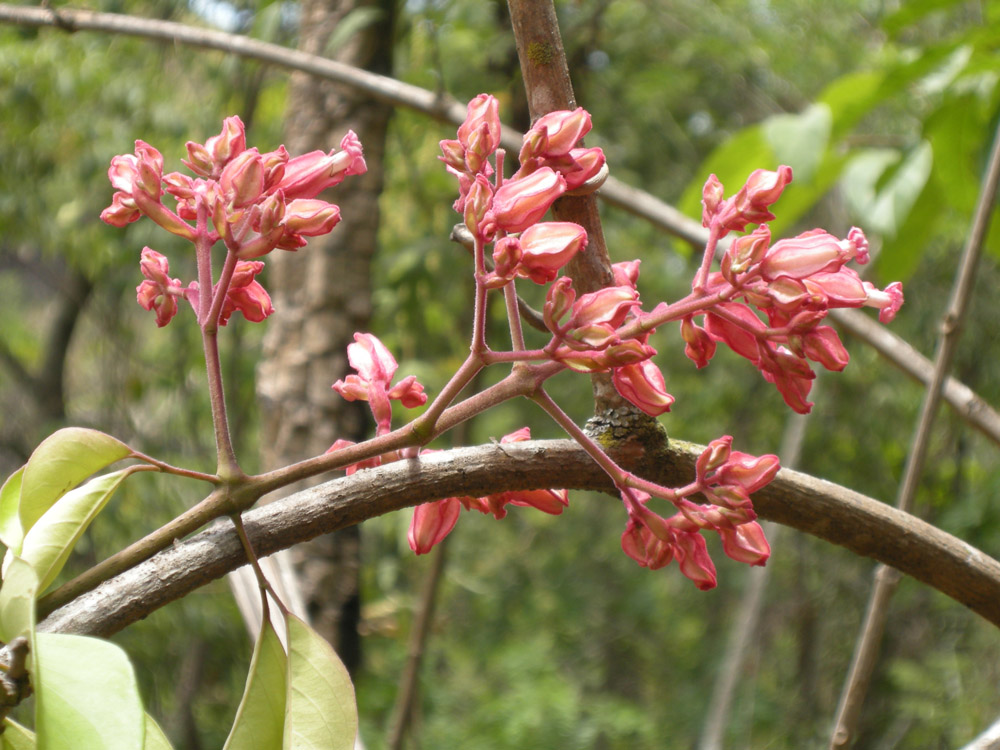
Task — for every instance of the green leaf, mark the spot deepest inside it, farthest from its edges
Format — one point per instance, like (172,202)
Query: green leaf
(882,189)
(155,738)
(260,719)
(901,255)
(60,463)
(48,543)
(800,140)
(16,737)
(17,601)
(86,695)
(321,713)
(10,497)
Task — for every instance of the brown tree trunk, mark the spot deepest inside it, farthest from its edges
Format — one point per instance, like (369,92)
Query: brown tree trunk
(322,295)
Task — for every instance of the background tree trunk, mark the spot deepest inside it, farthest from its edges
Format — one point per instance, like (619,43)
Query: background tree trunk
(324,295)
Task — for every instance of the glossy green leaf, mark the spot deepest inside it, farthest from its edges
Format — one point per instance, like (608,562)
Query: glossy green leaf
(321,713)
(17,601)
(800,140)
(260,718)
(10,522)
(882,188)
(901,254)
(16,737)
(155,738)
(48,543)
(60,463)
(86,695)
(850,98)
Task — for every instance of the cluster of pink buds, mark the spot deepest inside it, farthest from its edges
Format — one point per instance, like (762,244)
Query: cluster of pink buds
(255,203)
(432,522)
(793,282)
(725,478)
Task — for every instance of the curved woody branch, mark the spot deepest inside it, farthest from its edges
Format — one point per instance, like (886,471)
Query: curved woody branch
(863,525)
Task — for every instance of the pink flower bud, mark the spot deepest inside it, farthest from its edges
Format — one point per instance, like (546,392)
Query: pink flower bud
(746,543)
(751,473)
(408,392)
(453,155)
(699,346)
(560,131)
(208,160)
(520,203)
(714,456)
(149,171)
(431,523)
(353,468)
(549,246)
(745,252)
(639,543)
(642,384)
(310,217)
(483,112)
(823,345)
(507,255)
(711,199)
(764,187)
(558,301)
(812,252)
(626,273)
(246,295)
(242,179)
(738,336)
(692,556)
(155,292)
(477,204)
(584,165)
(308,175)
(121,212)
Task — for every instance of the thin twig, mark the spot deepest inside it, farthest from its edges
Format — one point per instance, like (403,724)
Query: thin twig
(867,648)
(665,217)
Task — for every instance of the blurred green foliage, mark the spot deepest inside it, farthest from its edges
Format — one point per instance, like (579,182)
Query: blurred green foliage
(547,635)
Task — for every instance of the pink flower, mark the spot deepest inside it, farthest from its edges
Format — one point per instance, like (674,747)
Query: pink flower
(642,384)
(889,300)
(308,175)
(555,133)
(159,291)
(547,247)
(242,179)
(520,203)
(431,523)
(626,273)
(694,561)
(711,199)
(596,316)
(246,295)
(376,366)
(639,543)
(481,129)
(746,543)
(812,252)
(208,160)
(699,345)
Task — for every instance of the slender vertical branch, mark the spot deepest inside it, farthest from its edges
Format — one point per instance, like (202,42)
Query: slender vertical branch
(548,87)
(886,580)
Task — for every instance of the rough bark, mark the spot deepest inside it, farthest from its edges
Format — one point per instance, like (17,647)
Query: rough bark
(323,294)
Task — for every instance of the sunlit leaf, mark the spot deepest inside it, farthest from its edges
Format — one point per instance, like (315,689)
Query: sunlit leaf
(260,719)
(155,738)
(48,543)
(800,140)
(10,497)
(17,601)
(86,695)
(321,713)
(60,463)
(16,737)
